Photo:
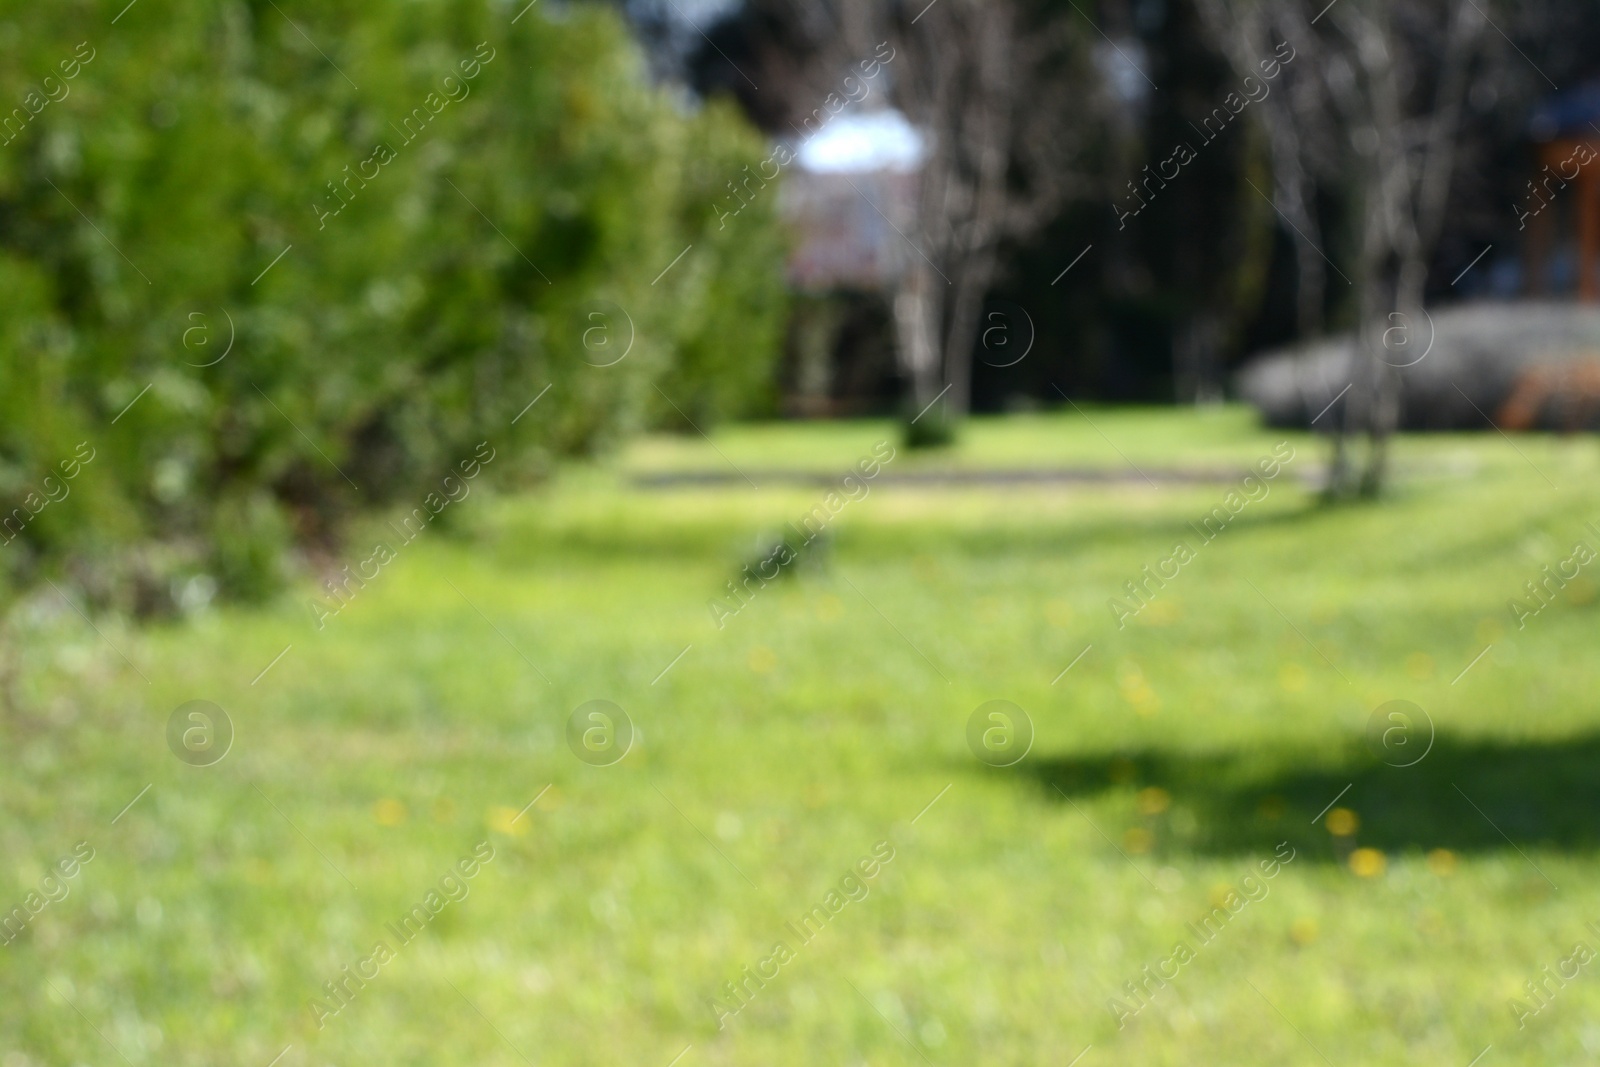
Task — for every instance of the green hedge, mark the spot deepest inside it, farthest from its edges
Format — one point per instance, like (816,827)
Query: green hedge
(507,196)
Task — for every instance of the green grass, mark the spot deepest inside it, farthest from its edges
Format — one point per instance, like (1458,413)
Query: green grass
(826,715)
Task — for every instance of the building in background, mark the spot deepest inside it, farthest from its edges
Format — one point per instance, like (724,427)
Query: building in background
(849,203)
(1560,206)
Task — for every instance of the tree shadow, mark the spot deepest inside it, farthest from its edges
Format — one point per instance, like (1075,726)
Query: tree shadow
(1464,795)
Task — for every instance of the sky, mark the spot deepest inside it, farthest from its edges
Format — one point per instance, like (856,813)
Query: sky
(873,140)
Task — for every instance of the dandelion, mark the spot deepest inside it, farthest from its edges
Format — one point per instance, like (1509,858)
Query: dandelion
(1154,800)
(1292,678)
(1367,862)
(504,820)
(389,812)
(1420,666)
(1342,822)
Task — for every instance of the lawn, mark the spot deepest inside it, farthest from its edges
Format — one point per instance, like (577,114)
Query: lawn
(800,798)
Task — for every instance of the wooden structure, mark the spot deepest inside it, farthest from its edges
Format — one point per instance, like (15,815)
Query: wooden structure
(1561,201)
(1567,182)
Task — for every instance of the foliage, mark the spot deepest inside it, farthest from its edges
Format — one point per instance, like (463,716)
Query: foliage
(531,187)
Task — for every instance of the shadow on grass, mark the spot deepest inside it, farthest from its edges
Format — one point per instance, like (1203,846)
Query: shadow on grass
(1468,796)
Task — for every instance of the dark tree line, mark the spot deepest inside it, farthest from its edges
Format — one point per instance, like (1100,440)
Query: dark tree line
(1384,157)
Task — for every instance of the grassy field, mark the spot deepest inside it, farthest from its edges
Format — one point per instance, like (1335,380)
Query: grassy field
(1182,756)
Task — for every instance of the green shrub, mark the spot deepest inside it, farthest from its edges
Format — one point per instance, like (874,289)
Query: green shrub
(444,259)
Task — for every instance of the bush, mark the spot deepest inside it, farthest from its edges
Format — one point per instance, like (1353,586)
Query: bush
(394,271)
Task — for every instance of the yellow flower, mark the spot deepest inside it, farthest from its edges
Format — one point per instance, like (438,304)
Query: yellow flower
(389,812)
(1442,861)
(505,821)
(1292,677)
(1367,862)
(1136,690)
(1163,613)
(1058,613)
(1342,822)
(1303,931)
(1154,800)
(1137,839)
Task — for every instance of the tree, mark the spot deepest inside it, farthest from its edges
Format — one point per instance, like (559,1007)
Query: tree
(997,89)
(1370,113)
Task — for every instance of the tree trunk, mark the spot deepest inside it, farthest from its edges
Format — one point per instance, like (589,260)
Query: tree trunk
(1367,382)
(918,308)
(1196,378)
(816,326)
(1418,335)
(966,301)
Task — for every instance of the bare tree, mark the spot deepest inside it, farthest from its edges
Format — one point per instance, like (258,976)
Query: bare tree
(1248,34)
(997,92)
(1370,115)
(1000,92)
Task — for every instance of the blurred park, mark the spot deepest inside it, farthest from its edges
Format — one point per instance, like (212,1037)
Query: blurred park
(703,532)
